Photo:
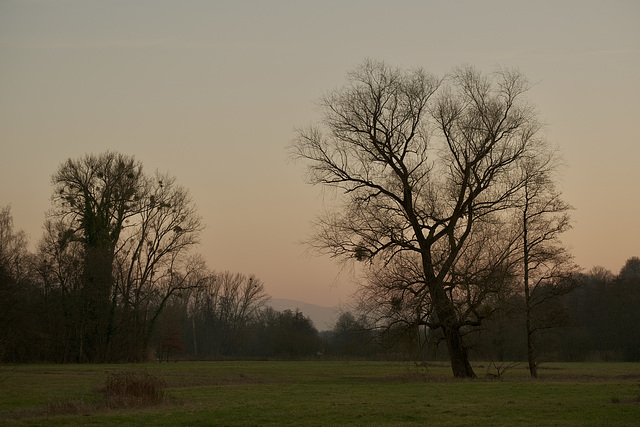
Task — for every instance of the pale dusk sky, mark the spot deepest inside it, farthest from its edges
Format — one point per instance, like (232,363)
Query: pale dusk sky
(211,91)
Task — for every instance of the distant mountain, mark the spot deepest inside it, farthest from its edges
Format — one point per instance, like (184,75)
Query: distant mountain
(323,317)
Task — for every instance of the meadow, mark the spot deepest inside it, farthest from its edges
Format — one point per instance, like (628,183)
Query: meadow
(325,393)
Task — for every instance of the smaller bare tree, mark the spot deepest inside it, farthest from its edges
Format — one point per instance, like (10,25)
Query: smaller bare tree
(548,270)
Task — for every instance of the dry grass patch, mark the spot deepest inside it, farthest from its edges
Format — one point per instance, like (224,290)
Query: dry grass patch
(132,388)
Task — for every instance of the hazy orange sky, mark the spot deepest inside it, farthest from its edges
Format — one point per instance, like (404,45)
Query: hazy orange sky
(211,91)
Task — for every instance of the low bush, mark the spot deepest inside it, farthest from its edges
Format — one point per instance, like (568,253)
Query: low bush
(130,388)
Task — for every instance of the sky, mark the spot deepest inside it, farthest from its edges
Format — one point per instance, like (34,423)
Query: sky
(212,92)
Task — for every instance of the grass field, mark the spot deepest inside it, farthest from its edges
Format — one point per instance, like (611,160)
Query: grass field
(317,393)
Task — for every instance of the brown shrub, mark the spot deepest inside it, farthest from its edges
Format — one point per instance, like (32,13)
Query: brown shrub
(129,388)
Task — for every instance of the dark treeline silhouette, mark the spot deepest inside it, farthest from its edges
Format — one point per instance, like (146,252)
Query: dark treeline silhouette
(225,316)
(113,279)
(193,313)
(599,320)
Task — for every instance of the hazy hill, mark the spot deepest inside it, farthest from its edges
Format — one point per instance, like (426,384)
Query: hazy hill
(323,317)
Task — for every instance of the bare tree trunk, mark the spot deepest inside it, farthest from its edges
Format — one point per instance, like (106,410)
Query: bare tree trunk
(533,371)
(531,356)
(97,280)
(533,368)
(458,353)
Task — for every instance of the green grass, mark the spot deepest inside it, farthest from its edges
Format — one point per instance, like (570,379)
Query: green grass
(320,393)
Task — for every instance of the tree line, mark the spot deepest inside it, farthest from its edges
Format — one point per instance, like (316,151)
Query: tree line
(598,320)
(114,278)
(227,316)
(446,195)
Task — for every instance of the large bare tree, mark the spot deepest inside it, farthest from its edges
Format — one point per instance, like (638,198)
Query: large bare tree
(94,196)
(423,163)
(134,231)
